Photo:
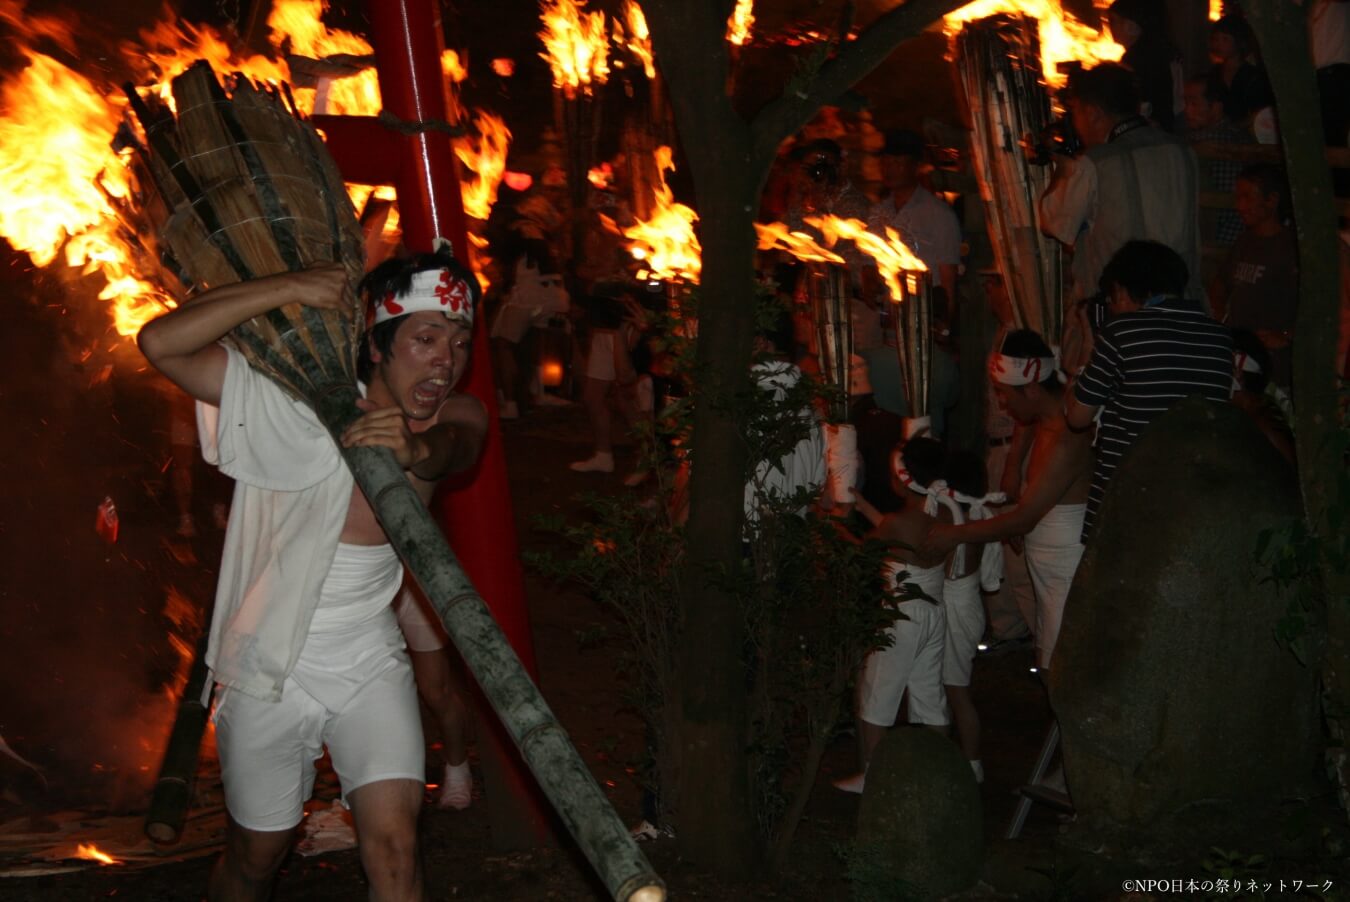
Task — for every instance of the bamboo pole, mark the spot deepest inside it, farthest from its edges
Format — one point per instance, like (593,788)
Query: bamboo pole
(172,795)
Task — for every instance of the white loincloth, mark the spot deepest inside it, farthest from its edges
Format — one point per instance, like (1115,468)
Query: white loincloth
(351,691)
(1052,549)
(965,627)
(913,660)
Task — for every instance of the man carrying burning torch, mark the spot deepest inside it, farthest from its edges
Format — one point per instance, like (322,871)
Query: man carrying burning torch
(304,643)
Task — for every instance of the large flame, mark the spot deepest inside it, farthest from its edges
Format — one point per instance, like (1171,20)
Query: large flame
(775,236)
(486,159)
(576,46)
(638,38)
(1063,38)
(892,257)
(666,242)
(740,21)
(63,184)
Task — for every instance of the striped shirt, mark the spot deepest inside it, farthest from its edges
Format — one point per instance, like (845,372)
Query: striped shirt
(1142,363)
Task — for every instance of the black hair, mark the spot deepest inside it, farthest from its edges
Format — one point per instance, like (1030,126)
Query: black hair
(395,275)
(1245,342)
(775,326)
(1145,269)
(1214,89)
(1269,179)
(966,473)
(1027,343)
(1237,28)
(924,458)
(1109,86)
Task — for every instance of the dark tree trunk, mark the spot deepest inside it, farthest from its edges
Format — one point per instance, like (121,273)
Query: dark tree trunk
(1282,31)
(729,159)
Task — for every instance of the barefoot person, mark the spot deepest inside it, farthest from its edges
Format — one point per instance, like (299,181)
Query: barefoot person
(303,642)
(1050,510)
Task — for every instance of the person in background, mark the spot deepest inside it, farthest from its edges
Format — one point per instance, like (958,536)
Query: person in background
(1206,123)
(1141,28)
(1234,77)
(1256,288)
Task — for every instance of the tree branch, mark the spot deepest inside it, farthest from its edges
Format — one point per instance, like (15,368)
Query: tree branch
(792,110)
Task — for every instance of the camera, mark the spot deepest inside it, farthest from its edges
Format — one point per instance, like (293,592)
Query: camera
(1057,139)
(823,170)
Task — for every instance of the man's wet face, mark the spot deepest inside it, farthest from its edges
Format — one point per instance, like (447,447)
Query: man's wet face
(427,358)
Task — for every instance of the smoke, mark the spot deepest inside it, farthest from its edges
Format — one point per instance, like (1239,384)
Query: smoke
(86,660)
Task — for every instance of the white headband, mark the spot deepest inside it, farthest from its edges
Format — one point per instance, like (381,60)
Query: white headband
(437,290)
(1016,371)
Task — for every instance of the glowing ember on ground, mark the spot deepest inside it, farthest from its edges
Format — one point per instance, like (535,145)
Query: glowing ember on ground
(1063,38)
(800,245)
(740,21)
(91,852)
(666,241)
(890,254)
(576,46)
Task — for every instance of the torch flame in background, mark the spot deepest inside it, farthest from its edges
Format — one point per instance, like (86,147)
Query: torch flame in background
(91,852)
(891,254)
(775,235)
(1063,38)
(666,242)
(298,25)
(576,47)
(1215,10)
(486,158)
(738,24)
(639,39)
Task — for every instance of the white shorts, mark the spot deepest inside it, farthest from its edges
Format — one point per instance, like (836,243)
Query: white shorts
(965,627)
(912,662)
(421,625)
(351,690)
(600,359)
(1052,549)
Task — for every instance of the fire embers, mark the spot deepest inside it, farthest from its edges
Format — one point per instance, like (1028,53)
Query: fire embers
(105,523)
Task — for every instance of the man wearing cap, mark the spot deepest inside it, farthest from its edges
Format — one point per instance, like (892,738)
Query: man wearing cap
(1049,512)
(1134,181)
(304,643)
(926,224)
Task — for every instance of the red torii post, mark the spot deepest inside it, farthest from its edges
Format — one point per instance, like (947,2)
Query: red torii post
(475,509)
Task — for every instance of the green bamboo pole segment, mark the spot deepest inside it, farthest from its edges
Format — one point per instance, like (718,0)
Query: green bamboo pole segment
(543,743)
(173,789)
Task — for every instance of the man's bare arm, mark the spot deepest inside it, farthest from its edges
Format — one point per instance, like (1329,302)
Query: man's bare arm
(454,443)
(1078,415)
(181,344)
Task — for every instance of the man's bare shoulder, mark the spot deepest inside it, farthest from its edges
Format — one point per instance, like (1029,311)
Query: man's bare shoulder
(463,409)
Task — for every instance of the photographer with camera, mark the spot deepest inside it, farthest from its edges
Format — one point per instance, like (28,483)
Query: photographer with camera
(1133,181)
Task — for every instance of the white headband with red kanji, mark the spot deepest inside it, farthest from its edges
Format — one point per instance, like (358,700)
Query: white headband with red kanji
(1015,371)
(437,290)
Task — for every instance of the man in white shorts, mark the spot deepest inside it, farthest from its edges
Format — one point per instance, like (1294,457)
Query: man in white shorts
(1059,473)
(912,663)
(304,643)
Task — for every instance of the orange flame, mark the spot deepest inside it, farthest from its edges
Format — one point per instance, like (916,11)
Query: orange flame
(740,21)
(890,254)
(486,158)
(639,39)
(575,46)
(453,67)
(775,235)
(1063,38)
(91,852)
(62,183)
(666,242)
(1215,10)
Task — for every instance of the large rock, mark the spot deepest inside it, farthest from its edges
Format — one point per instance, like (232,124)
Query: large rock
(1168,683)
(919,825)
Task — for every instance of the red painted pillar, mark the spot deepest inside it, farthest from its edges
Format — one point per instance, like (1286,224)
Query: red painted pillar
(475,509)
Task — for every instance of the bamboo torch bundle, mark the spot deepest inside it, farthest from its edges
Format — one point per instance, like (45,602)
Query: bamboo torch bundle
(913,319)
(245,190)
(999,63)
(827,287)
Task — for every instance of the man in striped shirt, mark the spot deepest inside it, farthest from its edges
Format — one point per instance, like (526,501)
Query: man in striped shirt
(1157,348)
